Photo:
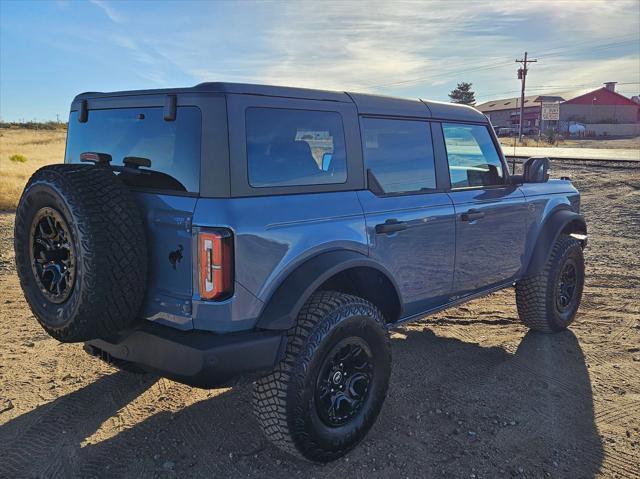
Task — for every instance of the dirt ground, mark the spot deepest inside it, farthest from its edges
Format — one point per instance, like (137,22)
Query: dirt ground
(473,394)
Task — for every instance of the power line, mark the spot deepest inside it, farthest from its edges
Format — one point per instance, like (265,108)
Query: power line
(491,66)
(548,87)
(482,66)
(590,47)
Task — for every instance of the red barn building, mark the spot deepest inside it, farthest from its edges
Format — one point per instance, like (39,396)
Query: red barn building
(603,111)
(603,105)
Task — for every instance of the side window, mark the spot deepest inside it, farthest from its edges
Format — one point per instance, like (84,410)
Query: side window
(400,154)
(294,147)
(473,158)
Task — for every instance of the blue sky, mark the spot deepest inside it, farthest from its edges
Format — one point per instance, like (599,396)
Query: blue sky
(52,50)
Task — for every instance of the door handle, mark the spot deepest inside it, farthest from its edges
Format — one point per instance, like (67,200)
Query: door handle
(391,226)
(472,215)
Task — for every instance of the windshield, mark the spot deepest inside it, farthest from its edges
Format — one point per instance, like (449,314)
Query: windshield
(172,146)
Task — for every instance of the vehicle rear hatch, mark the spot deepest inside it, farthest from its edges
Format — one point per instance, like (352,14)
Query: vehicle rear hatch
(166,191)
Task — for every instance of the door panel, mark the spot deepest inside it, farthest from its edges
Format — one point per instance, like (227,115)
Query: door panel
(490,213)
(168,221)
(415,241)
(490,234)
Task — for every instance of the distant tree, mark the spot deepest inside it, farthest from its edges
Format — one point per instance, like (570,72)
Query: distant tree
(463,94)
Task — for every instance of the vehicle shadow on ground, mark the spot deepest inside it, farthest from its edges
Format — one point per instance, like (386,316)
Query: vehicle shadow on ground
(454,408)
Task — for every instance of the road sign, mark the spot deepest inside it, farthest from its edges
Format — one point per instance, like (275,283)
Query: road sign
(550,111)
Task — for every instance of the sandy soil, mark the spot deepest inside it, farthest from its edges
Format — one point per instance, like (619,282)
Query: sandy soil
(473,394)
(633,143)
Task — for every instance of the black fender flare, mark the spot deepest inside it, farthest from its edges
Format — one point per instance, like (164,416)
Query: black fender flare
(282,308)
(553,227)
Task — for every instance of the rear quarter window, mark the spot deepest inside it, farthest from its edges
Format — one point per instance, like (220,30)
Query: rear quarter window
(172,146)
(287,147)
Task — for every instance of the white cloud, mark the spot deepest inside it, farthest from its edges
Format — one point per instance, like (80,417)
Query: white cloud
(151,65)
(390,47)
(108,10)
(591,72)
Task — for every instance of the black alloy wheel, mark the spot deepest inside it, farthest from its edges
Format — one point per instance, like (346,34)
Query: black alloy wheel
(342,386)
(52,254)
(567,285)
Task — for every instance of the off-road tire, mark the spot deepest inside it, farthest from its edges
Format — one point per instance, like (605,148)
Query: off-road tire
(284,401)
(107,234)
(536,294)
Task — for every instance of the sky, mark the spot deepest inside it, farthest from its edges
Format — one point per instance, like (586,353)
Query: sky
(52,50)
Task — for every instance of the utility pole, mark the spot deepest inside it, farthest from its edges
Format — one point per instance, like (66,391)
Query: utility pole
(522,75)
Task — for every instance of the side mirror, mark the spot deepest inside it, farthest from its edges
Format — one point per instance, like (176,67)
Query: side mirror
(536,170)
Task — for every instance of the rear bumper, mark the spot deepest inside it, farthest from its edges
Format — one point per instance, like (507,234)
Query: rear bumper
(196,358)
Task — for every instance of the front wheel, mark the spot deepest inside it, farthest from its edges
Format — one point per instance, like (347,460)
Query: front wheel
(549,300)
(326,393)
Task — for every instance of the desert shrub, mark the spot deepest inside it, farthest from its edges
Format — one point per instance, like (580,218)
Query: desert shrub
(18,158)
(551,137)
(33,125)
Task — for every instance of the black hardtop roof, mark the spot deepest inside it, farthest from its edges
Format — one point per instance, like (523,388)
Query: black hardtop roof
(366,104)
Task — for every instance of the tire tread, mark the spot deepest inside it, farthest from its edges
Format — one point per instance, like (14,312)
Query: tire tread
(271,393)
(532,292)
(112,245)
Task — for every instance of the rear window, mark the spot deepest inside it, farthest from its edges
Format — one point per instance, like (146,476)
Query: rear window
(294,147)
(172,146)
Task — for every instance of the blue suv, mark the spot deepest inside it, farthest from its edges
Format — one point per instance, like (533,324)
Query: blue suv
(231,232)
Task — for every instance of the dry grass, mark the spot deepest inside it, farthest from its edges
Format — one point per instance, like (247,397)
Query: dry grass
(40,147)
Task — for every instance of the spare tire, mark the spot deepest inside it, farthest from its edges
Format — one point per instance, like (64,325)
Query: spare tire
(80,251)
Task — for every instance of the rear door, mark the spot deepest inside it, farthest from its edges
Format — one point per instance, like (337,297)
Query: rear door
(490,212)
(166,193)
(410,221)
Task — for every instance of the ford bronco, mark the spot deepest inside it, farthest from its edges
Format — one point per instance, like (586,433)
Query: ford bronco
(232,232)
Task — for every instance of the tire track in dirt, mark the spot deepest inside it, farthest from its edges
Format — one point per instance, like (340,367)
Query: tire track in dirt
(620,464)
(73,414)
(163,395)
(618,413)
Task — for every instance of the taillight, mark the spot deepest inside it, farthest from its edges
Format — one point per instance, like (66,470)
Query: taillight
(215,258)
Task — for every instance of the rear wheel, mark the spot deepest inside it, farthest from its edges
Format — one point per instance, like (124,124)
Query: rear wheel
(326,393)
(548,301)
